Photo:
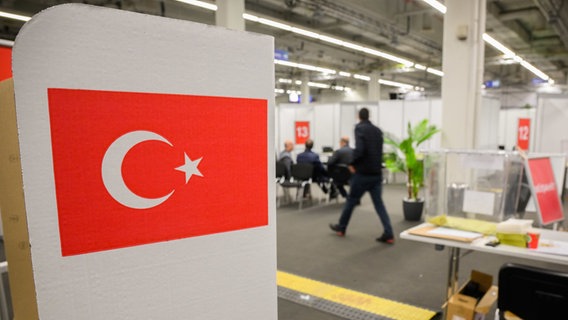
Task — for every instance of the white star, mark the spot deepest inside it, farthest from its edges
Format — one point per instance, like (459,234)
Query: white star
(190,168)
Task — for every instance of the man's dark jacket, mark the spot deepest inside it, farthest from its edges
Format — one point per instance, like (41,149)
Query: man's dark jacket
(313,158)
(341,156)
(368,154)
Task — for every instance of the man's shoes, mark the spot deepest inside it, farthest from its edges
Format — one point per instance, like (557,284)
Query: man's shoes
(386,239)
(338,230)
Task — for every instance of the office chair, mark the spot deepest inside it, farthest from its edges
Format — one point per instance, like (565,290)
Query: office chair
(532,293)
(281,177)
(301,177)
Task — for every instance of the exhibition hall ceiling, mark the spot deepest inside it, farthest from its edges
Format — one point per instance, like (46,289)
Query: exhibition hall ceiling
(370,31)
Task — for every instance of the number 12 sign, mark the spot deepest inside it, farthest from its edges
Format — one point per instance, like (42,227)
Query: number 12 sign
(302,131)
(523,133)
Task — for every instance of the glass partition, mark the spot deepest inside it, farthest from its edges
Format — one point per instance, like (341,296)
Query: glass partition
(483,185)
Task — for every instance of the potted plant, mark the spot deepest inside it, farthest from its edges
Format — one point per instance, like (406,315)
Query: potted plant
(405,158)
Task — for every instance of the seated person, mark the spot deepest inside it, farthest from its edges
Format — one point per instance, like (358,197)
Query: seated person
(320,174)
(341,157)
(285,157)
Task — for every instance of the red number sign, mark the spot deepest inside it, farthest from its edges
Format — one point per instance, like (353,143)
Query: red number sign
(302,131)
(523,133)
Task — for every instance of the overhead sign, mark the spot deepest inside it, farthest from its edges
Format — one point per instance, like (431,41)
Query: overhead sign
(544,189)
(492,83)
(537,81)
(125,177)
(302,129)
(281,55)
(523,133)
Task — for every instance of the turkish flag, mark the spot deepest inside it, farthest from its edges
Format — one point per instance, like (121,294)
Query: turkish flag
(136,168)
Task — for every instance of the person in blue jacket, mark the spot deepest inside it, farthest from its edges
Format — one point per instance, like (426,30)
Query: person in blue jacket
(319,175)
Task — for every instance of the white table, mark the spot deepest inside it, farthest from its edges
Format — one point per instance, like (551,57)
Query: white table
(480,245)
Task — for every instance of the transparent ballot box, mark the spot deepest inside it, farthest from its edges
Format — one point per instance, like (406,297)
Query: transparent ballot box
(482,185)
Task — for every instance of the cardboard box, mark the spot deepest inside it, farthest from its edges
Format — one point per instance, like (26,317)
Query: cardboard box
(464,306)
(13,209)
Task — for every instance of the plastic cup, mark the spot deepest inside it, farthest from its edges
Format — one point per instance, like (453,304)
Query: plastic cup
(533,237)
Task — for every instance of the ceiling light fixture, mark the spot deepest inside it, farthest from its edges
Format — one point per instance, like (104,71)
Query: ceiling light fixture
(322,37)
(13,16)
(420,67)
(497,45)
(534,70)
(435,71)
(201,4)
(319,85)
(326,38)
(362,77)
(396,84)
(287,27)
(6,43)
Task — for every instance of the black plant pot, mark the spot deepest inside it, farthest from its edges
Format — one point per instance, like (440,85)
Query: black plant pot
(412,209)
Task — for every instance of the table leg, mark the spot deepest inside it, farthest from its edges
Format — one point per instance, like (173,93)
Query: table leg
(453,272)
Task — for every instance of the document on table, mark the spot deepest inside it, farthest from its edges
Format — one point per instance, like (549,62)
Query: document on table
(447,232)
(552,247)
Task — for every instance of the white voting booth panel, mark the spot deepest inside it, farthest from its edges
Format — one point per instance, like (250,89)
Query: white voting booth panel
(508,127)
(323,123)
(213,268)
(329,122)
(552,116)
(488,124)
(349,117)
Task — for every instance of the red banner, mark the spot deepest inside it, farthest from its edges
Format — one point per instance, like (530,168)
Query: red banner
(137,168)
(545,191)
(302,131)
(523,133)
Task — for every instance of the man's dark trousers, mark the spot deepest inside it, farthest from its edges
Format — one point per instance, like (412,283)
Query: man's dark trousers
(359,185)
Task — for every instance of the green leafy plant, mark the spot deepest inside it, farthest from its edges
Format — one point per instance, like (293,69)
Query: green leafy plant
(405,158)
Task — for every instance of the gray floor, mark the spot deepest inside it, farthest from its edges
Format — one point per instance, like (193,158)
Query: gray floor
(407,271)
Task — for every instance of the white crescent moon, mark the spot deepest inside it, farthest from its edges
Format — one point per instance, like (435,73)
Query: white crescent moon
(111,169)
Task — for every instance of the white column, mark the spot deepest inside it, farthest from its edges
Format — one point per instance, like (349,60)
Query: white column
(374,88)
(229,14)
(464,25)
(305,88)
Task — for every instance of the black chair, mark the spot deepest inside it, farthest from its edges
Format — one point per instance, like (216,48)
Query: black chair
(301,177)
(280,171)
(280,178)
(340,175)
(532,293)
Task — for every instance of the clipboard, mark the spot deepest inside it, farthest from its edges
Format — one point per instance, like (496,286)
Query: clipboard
(446,233)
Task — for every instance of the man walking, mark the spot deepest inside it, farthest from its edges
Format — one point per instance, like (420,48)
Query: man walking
(367,176)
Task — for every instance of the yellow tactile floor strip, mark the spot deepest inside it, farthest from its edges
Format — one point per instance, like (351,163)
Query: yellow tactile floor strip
(353,299)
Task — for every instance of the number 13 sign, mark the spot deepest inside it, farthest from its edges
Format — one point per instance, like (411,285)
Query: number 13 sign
(523,133)
(302,131)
